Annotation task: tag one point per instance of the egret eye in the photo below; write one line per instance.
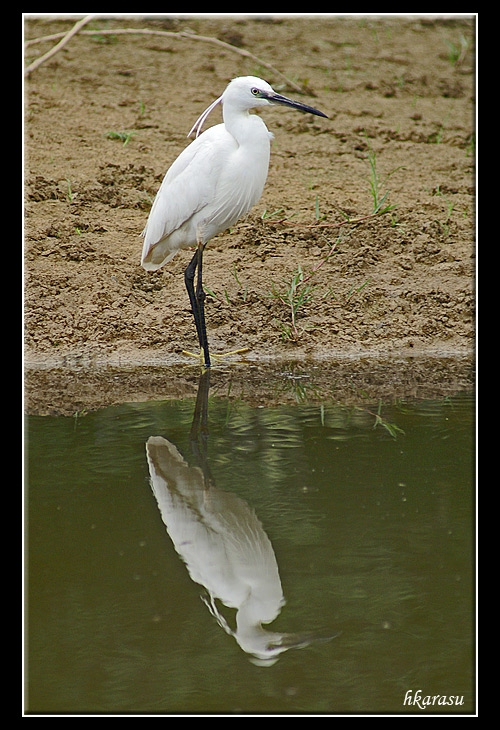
(255, 91)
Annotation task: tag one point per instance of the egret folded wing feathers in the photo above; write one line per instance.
(185, 191)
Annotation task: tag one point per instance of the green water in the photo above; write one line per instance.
(364, 527)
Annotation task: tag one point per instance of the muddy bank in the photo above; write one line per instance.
(71, 391)
(107, 115)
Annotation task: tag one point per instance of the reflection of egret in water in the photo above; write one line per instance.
(222, 542)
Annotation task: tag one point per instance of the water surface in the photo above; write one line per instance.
(349, 529)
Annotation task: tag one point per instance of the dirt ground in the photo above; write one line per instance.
(107, 115)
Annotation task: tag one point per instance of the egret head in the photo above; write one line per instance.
(250, 92)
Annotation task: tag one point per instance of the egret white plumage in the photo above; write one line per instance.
(216, 180)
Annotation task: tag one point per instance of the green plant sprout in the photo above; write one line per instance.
(266, 215)
(391, 428)
(124, 137)
(377, 184)
(296, 294)
(456, 53)
(356, 289)
(70, 195)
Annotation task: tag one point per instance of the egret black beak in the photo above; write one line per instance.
(278, 99)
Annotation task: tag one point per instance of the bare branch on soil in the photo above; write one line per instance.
(65, 38)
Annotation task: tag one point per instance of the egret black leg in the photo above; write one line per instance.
(200, 298)
(189, 282)
(197, 300)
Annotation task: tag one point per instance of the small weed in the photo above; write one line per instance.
(446, 224)
(317, 215)
(266, 215)
(437, 138)
(104, 39)
(240, 285)
(70, 195)
(391, 428)
(299, 385)
(77, 415)
(124, 137)
(296, 294)
(450, 207)
(356, 290)
(470, 150)
(377, 184)
(209, 292)
(456, 53)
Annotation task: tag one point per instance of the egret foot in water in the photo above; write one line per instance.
(215, 356)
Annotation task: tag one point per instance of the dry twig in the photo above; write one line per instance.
(346, 222)
(65, 38)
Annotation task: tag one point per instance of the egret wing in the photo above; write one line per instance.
(186, 189)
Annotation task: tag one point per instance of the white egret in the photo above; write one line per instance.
(214, 181)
